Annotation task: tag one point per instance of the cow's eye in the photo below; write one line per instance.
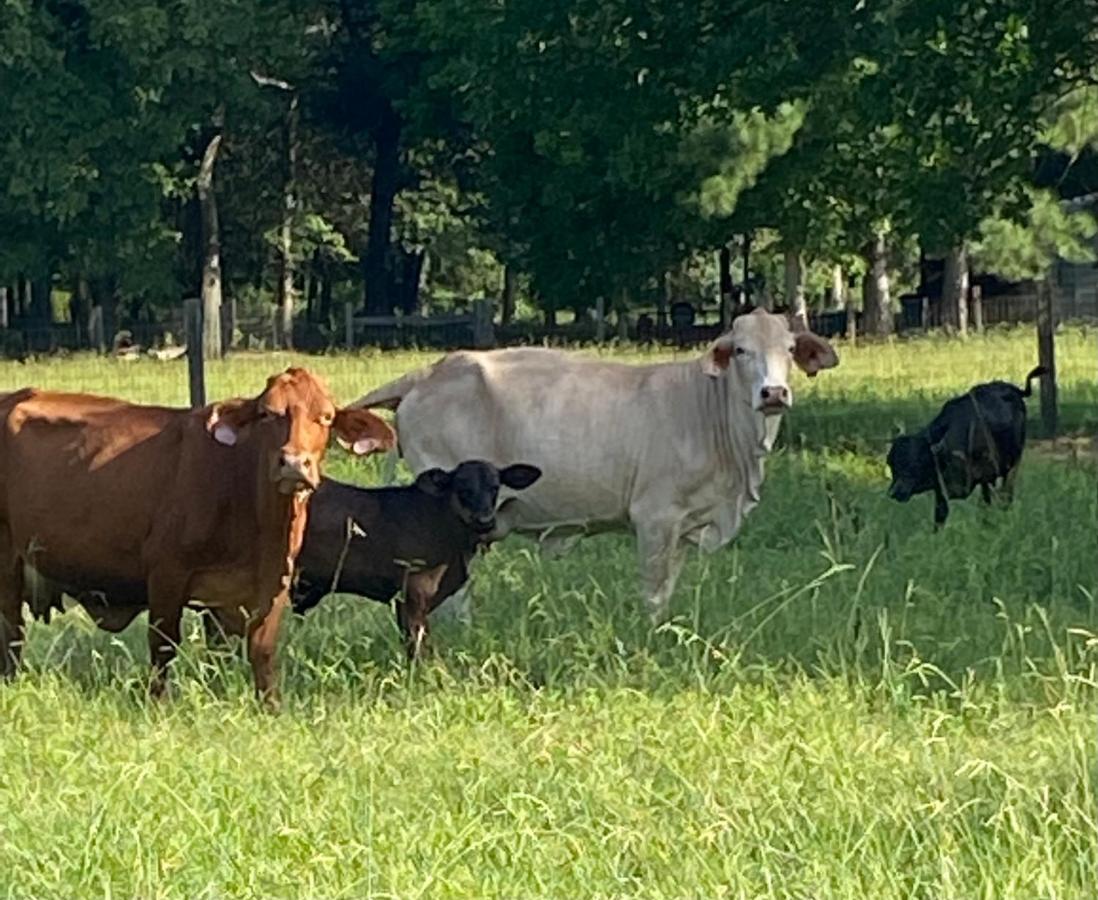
(326, 420)
(792, 347)
(740, 351)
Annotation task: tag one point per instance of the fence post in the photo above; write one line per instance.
(196, 370)
(483, 331)
(3, 307)
(978, 308)
(274, 328)
(349, 325)
(600, 320)
(1046, 354)
(95, 330)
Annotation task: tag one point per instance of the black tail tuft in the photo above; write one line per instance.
(1036, 373)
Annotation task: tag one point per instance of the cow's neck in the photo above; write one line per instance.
(279, 522)
(739, 440)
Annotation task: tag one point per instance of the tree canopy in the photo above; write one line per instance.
(590, 146)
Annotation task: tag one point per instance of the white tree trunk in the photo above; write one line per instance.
(876, 290)
(211, 254)
(794, 287)
(838, 287)
(286, 294)
(955, 289)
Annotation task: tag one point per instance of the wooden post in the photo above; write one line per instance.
(196, 370)
(3, 307)
(924, 313)
(483, 330)
(978, 308)
(1046, 353)
(349, 325)
(96, 337)
(600, 320)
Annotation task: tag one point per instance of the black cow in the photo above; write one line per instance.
(976, 439)
(417, 540)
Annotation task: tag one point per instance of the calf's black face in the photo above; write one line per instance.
(473, 489)
(911, 461)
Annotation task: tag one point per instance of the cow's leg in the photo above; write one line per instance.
(11, 607)
(661, 557)
(941, 508)
(419, 594)
(216, 638)
(1006, 492)
(262, 640)
(167, 597)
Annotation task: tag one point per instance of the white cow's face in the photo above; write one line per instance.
(759, 351)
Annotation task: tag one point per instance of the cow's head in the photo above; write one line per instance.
(473, 489)
(759, 350)
(912, 464)
(290, 423)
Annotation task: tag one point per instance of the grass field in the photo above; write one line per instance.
(845, 705)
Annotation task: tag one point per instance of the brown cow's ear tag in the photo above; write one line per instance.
(224, 434)
(361, 447)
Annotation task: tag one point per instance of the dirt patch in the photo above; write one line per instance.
(1079, 449)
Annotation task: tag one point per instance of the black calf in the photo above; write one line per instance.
(416, 540)
(976, 439)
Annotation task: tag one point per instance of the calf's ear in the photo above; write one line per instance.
(228, 418)
(362, 432)
(519, 476)
(812, 353)
(714, 361)
(435, 482)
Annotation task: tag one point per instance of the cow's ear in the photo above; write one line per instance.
(812, 353)
(715, 360)
(519, 476)
(362, 432)
(228, 418)
(435, 482)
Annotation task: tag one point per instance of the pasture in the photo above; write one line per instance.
(845, 704)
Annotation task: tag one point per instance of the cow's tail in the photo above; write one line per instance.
(1036, 373)
(388, 396)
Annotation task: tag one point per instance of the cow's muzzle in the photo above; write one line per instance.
(773, 400)
(296, 472)
(484, 525)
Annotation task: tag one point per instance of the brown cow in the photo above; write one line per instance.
(130, 507)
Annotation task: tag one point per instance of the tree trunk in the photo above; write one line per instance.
(724, 283)
(325, 296)
(411, 271)
(794, 287)
(285, 243)
(955, 289)
(383, 191)
(663, 303)
(211, 253)
(876, 297)
(551, 315)
(80, 309)
(41, 308)
(747, 268)
(838, 287)
(507, 302)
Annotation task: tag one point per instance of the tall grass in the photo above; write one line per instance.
(846, 704)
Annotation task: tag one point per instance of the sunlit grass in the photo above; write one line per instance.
(845, 705)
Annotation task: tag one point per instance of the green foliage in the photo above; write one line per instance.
(1026, 249)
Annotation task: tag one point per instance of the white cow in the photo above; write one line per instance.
(673, 451)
